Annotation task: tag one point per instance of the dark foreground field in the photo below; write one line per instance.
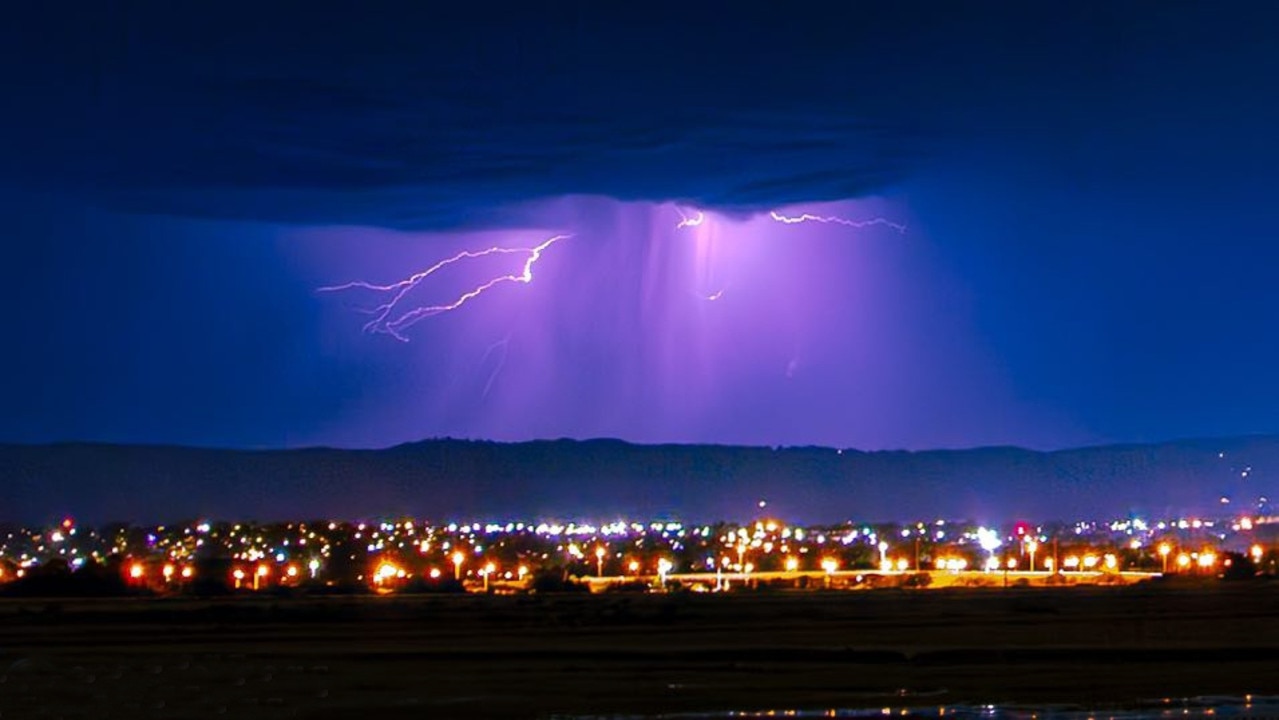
(537, 656)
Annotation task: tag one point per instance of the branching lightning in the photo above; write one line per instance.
(695, 219)
(393, 316)
(833, 219)
(388, 318)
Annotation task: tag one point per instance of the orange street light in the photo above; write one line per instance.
(489, 569)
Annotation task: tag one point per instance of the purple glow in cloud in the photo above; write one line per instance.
(391, 318)
(735, 329)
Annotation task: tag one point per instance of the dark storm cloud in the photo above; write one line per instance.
(414, 118)
(1087, 187)
(409, 115)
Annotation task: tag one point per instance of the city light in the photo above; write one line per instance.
(386, 572)
(664, 568)
(763, 553)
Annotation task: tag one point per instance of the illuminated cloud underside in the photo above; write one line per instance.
(655, 322)
(392, 318)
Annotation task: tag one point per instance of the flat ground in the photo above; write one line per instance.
(541, 656)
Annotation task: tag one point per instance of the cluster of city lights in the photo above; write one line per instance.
(396, 555)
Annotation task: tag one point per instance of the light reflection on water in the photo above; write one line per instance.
(1247, 706)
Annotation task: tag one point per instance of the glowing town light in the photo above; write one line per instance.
(391, 319)
(1111, 562)
(1207, 559)
(792, 564)
(664, 567)
(988, 539)
(136, 571)
(167, 572)
(599, 561)
(291, 571)
(634, 567)
(260, 575)
(434, 574)
(992, 563)
(829, 566)
(1071, 562)
(835, 220)
(1183, 560)
(1090, 561)
(313, 567)
(903, 564)
(521, 571)
(458, 559)
(386, 572)
(1256, 551)
(187, 572)
(1031, 547)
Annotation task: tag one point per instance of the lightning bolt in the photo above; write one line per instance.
(689, 220)
(835, 220)
(504, 344)
(387, 317)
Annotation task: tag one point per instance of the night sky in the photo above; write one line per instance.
(1087, 193)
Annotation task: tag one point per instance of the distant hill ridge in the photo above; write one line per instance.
(602, 479)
